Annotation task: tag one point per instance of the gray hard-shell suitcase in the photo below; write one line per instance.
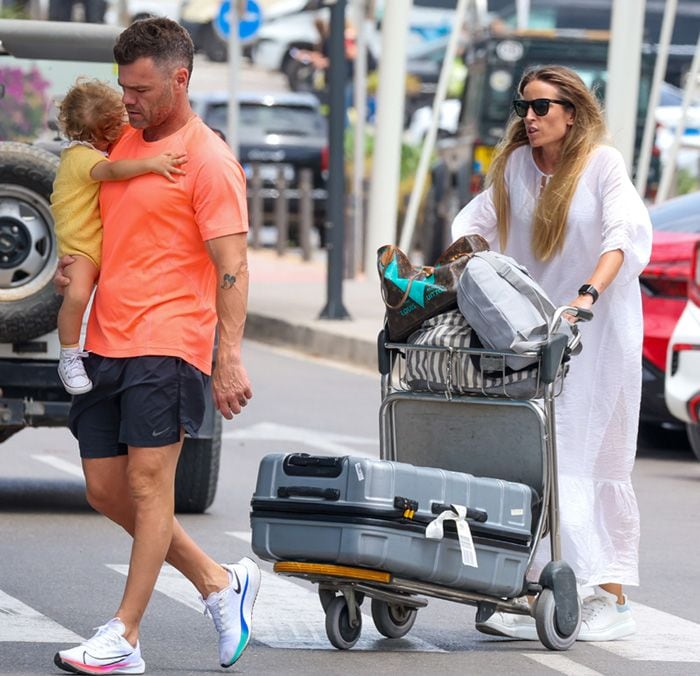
(373, 514)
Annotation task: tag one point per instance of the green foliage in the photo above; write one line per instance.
(686, 182)
(23, 108)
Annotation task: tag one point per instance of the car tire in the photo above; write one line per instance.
(694, 438)
(213, 46)
(198, 472)
(28, 251)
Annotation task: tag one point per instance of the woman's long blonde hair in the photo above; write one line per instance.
(587, 131)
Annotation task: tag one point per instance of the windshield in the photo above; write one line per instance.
(260, 120)
(681, 214)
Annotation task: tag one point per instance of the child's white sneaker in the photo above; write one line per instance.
(71, 371)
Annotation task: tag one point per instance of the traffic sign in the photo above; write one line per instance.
(248, 23)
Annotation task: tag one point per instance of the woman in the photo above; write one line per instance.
(561, 203)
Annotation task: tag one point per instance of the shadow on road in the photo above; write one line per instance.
(34, 495)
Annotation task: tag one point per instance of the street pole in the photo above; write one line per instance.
(659, 71)
(337, 72)
(386, 159)
(624, 61)
(237, 7)
(360, 96)
(409, 223)
(688, 95)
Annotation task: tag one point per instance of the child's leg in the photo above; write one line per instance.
(82, 274)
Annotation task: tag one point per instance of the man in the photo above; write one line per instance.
(173, 262)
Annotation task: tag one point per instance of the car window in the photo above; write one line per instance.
(681, 214)
(260, 120)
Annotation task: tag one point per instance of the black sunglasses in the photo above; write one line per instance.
(539, 106)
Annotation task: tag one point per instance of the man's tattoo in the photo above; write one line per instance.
(229, 281)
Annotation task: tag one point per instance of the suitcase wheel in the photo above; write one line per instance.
(342, 630)
(393, 620)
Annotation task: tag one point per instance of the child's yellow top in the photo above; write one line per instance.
(75, 203)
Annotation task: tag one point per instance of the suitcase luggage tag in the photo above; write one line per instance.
(458, 514)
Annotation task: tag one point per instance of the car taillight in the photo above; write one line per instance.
(694, 281)
(694, 408)
(324, 159)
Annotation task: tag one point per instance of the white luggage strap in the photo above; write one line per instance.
(458, 514)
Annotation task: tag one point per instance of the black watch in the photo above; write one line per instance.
(590, 290)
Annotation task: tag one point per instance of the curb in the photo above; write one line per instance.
(313, 340)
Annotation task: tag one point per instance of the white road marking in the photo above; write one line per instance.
(561, 664)
(287, 615)
(58, 463)
(326, 441)
(20, 623)
(660, 637)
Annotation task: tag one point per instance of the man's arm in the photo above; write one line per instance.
(230, 383)
(165, 164)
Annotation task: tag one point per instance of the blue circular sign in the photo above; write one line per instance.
(248, 24)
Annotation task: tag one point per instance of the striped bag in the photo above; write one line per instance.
(454, 372)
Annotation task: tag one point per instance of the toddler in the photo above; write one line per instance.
(92, 117)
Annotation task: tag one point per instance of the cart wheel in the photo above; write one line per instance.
(338, 629)
(546, 623)
(326, 596)
(393, 620)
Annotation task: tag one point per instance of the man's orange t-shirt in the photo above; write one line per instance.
(156, 293)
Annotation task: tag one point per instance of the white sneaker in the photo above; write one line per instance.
(232, 609)
(604, 619)
(511, 625)
(71, 371)
(107, 652)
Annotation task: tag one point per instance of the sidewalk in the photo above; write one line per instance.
(287, 296)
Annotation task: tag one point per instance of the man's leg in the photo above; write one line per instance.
(108, 493)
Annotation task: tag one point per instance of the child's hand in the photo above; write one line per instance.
(168, 164)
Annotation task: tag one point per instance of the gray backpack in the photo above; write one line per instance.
(505, 306)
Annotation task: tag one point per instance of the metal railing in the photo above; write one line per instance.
(281, 193)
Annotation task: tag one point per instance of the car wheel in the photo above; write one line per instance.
(28, 254)
(694, 438)
(198, 472)
(213, 46)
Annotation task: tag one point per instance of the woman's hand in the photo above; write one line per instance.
(584, 301)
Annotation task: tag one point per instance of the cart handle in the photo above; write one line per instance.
(479, 515)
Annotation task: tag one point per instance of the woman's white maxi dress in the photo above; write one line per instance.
(597, 414)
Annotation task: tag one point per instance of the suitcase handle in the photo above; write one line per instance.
(475, 514)
(308, 492)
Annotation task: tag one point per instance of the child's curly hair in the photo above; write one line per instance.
(92, 111)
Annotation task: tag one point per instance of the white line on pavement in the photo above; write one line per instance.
(329, 442)
(660, 637)
(59, 463)
(244, 535)
(20, 623)
(561, 664)
(287, 615)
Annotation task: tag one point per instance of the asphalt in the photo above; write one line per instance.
(288, 295)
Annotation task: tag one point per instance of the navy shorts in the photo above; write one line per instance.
(137, 401)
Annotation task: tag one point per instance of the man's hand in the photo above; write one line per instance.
(60, 281)
(230, 385)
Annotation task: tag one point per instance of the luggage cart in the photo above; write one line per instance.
(502, 425)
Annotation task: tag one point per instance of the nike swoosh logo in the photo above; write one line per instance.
(157, 434)
(114, 658)
(238, 582)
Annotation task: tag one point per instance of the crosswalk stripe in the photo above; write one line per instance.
(58, 463)
(660, 637)
(326, 441)
(562, 664)
(286, 615)
(21, 623)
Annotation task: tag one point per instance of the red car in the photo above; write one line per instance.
(664, 283)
